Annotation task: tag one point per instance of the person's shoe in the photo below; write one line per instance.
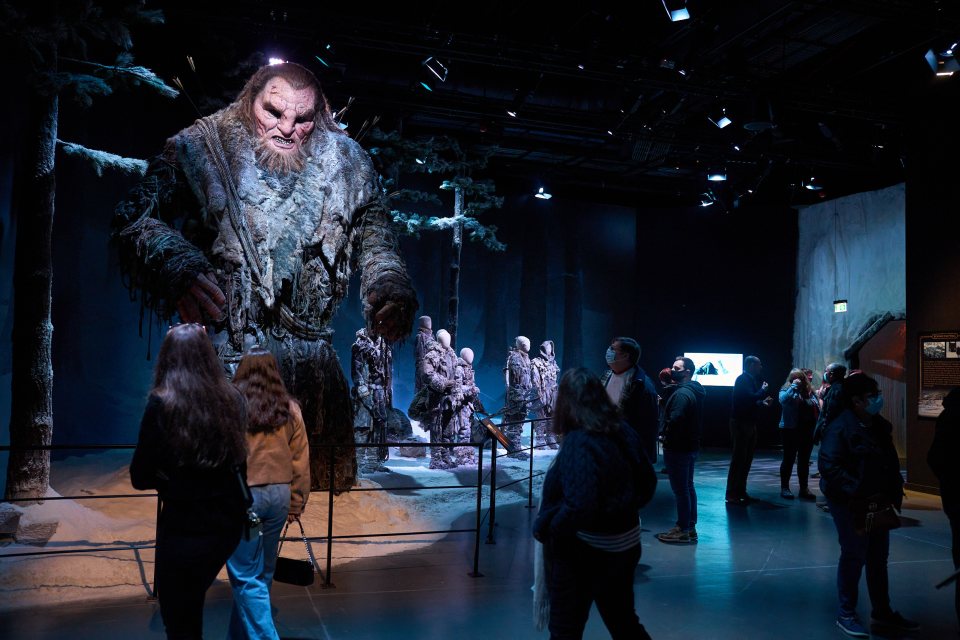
(692, 533)
(893, 621)
(677, 536)
(786, 494)
(806, 494)
(740, 502)
(852, 627)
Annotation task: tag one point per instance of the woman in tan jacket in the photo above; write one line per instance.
(278, 472)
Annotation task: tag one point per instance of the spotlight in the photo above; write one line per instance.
(437, 69)
(943, 63)
(419, 161)
(541, 194)
(447, 185)
(273, 61)
(720, 120)
(512, 114)
(322, 61)
(676, 10)
(717, 176)
(839, 306)
(707, 199)
(812, 185)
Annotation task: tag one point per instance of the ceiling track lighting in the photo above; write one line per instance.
(542, 194)
(718, 175)
(437, 70)
(812, 184)
(943, 63)
(720, 120)
(676, 10)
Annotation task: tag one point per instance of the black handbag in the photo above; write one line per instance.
(291, 570)
(874, 513)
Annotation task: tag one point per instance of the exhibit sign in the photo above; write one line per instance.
(939, 370)
(716, 369)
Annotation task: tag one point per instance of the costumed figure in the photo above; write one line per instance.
(520, 393)
(544, 373)
(440, 378)
(424, 340)
(251, 221)
(372, 369)
(469, 402)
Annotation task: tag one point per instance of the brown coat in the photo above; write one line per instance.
(282, 456)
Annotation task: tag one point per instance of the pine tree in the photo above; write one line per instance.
(445, 158)
(51, 41)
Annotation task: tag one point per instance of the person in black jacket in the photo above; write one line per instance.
(589, 518)
(681, 445)
(942, 459)
(192, 450)
(749, 394)
(858, 462)
(633, 392)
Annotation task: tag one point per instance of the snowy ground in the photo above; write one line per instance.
(89, 526)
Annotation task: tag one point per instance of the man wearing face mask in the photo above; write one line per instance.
(750, 392)
(858, 464)
(520, 392)
(633, 392)
(681, 445)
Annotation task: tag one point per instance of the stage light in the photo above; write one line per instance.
(720, 120)
(542, 195)
(707, 199)
(839, 306)
(736, 147)
(676, 10)
(512, 114)
(437, 70)
(609, 132)
(944, 63)
(812, 185)
(419, 161)
(719, 175)
(580, 66)
(273, 61)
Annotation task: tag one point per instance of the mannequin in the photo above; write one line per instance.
(372, 370)
(469, 401)
(519, 393)
(439, 376)
(424, 339)
(544, 374)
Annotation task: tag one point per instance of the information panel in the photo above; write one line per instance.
(939, 370)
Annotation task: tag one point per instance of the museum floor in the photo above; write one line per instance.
(762, 571)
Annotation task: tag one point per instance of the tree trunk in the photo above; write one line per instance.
(31, 411)
(456, 244)
(572, 298)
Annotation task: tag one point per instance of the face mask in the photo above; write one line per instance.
(611, 355)
(874, 404)
(676, 376)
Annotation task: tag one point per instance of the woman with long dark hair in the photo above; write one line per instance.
(858, 466)
(278, 472)
(798, 417)
(589, 519)
(191, 449)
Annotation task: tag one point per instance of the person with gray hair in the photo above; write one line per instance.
(632, 391)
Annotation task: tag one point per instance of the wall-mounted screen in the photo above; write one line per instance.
(716, 369)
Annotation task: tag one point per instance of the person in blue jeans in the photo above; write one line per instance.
(858, 461)
(278, 472)
(681, 445)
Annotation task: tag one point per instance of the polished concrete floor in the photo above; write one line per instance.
(763, 571)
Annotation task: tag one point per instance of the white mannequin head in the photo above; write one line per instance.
(467, 354)
(523, 343)
(443, 337)
(546, 348)
(424, 322)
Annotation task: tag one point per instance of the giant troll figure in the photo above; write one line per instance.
(251, 221)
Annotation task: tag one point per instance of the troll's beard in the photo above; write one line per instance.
(277, 162)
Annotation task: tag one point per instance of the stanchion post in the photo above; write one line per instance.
(327, 584)
(530, 477)
(156, 536)
(493, 491)
(476, 536)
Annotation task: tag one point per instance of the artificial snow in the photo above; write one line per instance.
(91, 525)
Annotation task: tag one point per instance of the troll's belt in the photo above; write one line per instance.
(286, 316)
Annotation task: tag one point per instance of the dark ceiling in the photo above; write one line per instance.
(611, 101)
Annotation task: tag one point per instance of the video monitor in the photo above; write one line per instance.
(716, 369)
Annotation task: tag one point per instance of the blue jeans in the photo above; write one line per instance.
(252, 564)
(680, 471)
(856, 551)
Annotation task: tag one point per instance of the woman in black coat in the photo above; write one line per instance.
(192, 449)
(942, 459)
(858, 461)
(589, 518)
